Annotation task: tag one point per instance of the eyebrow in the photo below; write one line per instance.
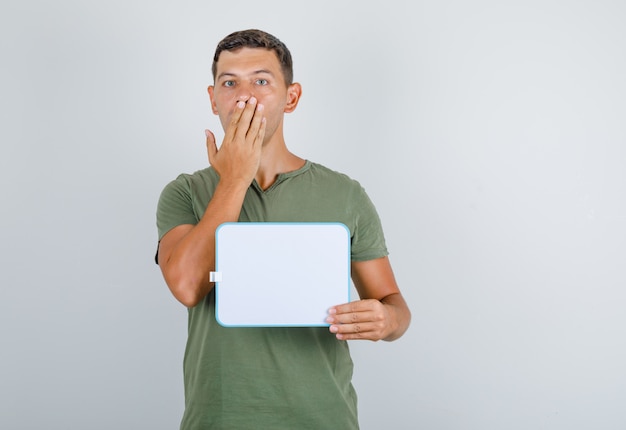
(256, 72)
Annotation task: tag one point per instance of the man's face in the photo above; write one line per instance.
(250, 72)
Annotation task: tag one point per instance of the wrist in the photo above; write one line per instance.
(233, 185)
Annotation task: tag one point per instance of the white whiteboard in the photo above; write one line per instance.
(280, 274)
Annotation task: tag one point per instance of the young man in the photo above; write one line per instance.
(277, 377)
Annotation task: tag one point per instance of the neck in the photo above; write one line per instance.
(276, 159)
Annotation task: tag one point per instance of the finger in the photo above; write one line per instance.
(359, 336)
(355, 317)
(261, 135)
(245, 119)
(231, 130)
(210, 144)
(358, 331)
(255, 125)
(356, 306)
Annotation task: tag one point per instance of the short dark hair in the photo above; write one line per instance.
(256, 39)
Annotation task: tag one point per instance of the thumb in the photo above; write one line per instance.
(211, 147)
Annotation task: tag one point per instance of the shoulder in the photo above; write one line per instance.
(323, 173)
(183, 199)
(188, 188)
(190, 183)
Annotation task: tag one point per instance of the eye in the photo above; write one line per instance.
(229, 83)
(262, 82)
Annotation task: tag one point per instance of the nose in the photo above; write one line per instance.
(244, 98)
(244, 93)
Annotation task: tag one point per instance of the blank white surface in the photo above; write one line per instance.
(281, 274)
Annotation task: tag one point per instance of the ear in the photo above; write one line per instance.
(294, 92)
(211, 89)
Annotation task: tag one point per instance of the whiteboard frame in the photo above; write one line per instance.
(274, 253)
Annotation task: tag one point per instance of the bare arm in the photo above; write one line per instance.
(187, 252)
(381, 313)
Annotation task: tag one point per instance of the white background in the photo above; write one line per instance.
(491, 136)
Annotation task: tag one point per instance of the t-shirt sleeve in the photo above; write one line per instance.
(175, 206)
(368, 239)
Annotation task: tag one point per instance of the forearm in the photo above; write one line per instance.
(400, 315)
(188, 265)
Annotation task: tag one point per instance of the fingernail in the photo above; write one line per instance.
(259, 107)
(241, 105)
(252, 100)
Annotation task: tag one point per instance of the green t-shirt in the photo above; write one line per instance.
(275, 377)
